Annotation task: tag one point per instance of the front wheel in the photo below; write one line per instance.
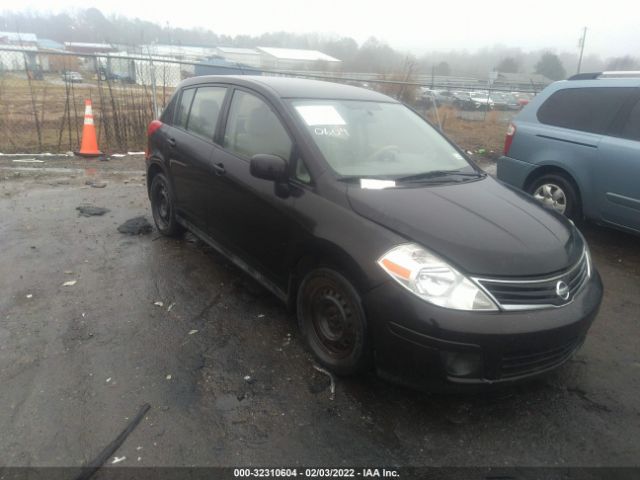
(558, 193)
(333, 323)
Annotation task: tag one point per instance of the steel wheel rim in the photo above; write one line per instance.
(162, 206)
(551, 195)
(332, 320)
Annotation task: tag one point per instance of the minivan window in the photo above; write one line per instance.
(205, 110)
(253, 128)
(373, 139)
(586, 109)
(183, 108)
(631, 129)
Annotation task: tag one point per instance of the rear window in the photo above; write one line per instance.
(167, 115)
(585, 109)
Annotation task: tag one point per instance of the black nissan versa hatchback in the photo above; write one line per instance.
(393, 248)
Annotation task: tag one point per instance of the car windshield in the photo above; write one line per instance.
(377, 140)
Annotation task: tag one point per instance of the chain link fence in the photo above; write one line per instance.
(42, 96)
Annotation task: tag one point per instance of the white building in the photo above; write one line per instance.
(16, 61)
(246, 56)
(18, 39)
(183, 53)
(27, 43)
(295, 59)
(271, 58)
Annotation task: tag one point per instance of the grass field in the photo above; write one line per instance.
(47, 115)
(486, 133)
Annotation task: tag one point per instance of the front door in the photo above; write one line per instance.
(247, 215)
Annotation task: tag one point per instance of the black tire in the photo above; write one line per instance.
(333, 323)
(163, 207)
(572, 207)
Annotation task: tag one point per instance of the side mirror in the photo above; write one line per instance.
(268, 167)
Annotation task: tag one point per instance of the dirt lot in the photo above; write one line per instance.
(171, 323)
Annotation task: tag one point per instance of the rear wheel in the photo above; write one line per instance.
(163, 206)
(333, 323)
(557, 192)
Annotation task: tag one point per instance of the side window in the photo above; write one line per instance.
(586, 109)
(205, 110)
(253, 128)
(180, 119)
(631, 129)
(167, 114)
(302, 173)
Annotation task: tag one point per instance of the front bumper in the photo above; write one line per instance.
(425, 346)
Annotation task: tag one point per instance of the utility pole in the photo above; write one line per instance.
(584, 36)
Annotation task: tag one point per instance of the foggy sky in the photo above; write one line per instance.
(417, 26)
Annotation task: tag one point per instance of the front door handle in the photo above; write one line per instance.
(219, 168)
(171, 142)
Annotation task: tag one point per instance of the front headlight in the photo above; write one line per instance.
(432, 279)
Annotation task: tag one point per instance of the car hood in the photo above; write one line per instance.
(483, 227)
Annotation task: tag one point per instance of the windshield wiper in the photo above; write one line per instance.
(418, 177)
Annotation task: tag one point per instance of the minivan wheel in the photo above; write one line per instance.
(163, 207)
(332, 321)
(556, 192)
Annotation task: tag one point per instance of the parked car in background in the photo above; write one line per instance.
(106, 74)
(476, 100)
(445, 97)
(73, 77)
(462, 101)
(576, 149)
(523, 98)
(504, 101)
(425, 97)
(392, 247)
(481, 100)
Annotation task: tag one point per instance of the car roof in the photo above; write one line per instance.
(589, 82)
(286, 87)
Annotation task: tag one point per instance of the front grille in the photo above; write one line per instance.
(523, 294)
(529, 363)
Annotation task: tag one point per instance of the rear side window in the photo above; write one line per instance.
(183, 108)
(631, 129)
(253, 128)
(167, 115)
(205, 110)
(585, 109)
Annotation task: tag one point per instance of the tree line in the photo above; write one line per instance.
(373, 55)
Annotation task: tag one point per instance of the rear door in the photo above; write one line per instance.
(191, 147)
(619, 182)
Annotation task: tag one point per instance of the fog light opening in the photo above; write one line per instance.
(463, 364)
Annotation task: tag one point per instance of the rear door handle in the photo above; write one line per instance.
(219, 168)
(171, 142)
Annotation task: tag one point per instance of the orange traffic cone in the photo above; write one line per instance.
(89, 145)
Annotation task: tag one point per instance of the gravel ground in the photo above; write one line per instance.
(171, 323)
